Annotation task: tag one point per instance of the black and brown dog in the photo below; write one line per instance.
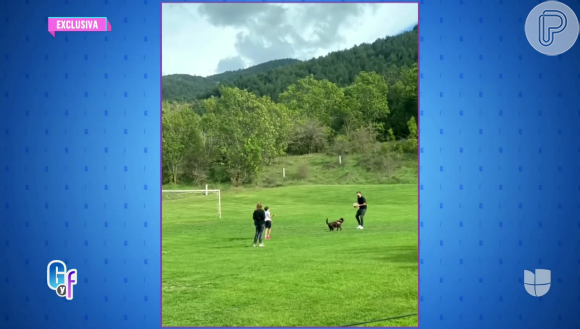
(335, 225)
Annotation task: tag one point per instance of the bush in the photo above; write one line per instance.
(359, 141)
(390, 135)
(239, 176)
(166, 178)
(218, 173)
(303, 170)
(309, 137)
(341, 146)
(271, 182)
(363, 140)
(197, 175)
(386, 158)
(413, 130)
(410, 145)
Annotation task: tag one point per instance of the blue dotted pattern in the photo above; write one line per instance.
(80, 156)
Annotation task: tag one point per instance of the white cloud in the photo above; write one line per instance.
(205, 39)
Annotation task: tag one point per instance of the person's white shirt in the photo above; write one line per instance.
(268, 218)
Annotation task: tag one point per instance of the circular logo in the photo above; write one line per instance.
(61, 290)
(552, 28)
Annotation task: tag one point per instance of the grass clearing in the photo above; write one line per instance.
(305, 276)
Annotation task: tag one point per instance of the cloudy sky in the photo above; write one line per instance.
(205, 39)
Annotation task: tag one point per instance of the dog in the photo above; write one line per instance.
(335, 225)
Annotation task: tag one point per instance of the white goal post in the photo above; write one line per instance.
(206, 192)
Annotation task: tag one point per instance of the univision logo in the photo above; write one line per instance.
(537, 284)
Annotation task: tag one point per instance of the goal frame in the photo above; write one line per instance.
(206, 192)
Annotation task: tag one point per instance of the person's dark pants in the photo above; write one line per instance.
(259, 232)
(360, 214)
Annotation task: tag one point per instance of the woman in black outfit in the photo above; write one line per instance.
(259, 222)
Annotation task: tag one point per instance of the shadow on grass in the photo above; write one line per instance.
(402, 254)
(239, 239)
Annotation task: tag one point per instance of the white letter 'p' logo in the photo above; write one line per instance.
(537, 284)
(552, 28)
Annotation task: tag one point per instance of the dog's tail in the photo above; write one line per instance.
(327, 221)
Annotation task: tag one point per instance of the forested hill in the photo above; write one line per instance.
(184, 87)
(386, 56)
(230, 76)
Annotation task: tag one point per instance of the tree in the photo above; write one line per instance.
(181, 135)
(403, 101)
(240, 125)
(413, 132)
(308, 137)
(228, 126)
(390, 135)
(282, 121)
(367, 100)
(321, 100)
(413, 141)
(393, 57)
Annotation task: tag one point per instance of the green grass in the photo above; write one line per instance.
(326, 170)
(305, 276)
(322, 169)
(410, 321)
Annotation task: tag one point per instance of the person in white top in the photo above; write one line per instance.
(268, 222)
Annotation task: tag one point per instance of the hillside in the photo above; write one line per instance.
(184, 87)
(341, 67)
(323, 169)
(348, 103)
(231, 76)
(385, 56)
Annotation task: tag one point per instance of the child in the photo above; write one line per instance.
(268, 223)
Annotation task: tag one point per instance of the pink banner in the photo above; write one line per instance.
(78, 24)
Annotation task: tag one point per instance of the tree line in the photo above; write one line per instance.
(232, 135)
(187, 88)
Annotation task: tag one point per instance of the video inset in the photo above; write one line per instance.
(290, 164)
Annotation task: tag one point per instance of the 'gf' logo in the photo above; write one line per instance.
(61, 280)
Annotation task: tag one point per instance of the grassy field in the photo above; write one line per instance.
(326, 170)
(305, 275)
(322, 169)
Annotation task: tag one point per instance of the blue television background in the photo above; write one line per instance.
(80, 158)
